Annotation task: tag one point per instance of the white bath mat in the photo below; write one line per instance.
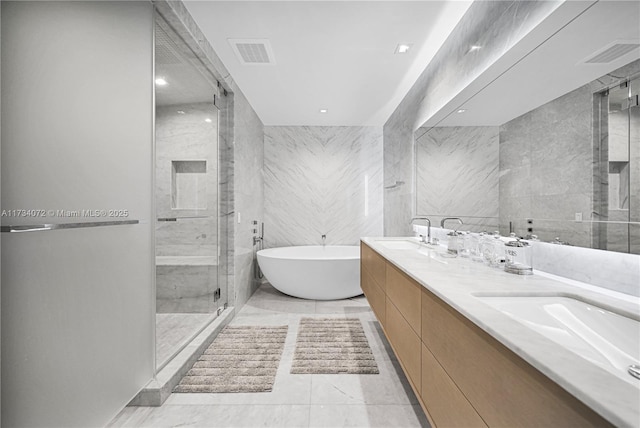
(332, 346)
(240, 359)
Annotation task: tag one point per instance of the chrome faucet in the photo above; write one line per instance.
(324, 238)
(449, 218)
(428, 241)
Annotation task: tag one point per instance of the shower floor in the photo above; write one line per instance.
(174, 331)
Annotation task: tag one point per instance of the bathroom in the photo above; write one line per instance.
(99, 290)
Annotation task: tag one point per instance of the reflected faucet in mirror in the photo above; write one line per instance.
(459, 220)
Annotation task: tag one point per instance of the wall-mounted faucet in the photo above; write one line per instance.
(428, 240)
(459, 220)
(324, 238)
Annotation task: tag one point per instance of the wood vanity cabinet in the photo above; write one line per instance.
(461, 375)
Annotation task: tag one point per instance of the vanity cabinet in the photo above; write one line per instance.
(372, 281)
(461, 375)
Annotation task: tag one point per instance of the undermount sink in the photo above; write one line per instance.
(398, 244)
(610, 340)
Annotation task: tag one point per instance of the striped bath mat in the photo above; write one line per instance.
(240, 359)
(332, 346)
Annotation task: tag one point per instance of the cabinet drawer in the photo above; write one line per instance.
(406, 344)
(374, 294)
(503, 388)
(446, 405)
(374, 263)
(405, 295)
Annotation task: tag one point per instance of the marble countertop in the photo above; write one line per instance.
(458, 280)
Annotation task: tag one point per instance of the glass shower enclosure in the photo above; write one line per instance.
(189, 286)
(617, 198)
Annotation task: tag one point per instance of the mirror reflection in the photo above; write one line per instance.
(552, 147)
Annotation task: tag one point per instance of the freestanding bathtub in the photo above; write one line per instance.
(316, 272)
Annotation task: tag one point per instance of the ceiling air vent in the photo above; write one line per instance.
(253, 51)
(612, 52)
(165, 49)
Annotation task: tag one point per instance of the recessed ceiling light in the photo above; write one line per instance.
(160, 81)
(207, 120)
(461, 110)
(324, 110)
(403, 48)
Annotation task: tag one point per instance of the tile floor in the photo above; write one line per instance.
(173, 330)
(383, 400)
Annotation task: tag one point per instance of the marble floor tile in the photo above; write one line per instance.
(228, 415)
(298, 400)
(383, 416)
(388, 387)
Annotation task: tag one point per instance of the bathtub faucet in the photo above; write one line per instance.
(324, 238)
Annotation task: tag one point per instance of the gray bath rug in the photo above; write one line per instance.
(333, 346)
(240, 359)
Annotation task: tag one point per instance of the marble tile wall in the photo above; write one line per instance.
(549, 162)
(458, 175)
(185, 289)
(182, 134)
(248, 195)
(495, 25)
(614, 271)
(546, 158)
(398, 162)
(322, 181)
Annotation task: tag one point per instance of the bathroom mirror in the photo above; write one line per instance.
(549, 148)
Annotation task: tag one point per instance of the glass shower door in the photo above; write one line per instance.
(634, 170)
(623, 156)
(188, 292)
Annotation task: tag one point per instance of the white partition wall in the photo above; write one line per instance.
(77, 138)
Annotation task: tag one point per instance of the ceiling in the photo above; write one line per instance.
(334, 55)
(556, 67)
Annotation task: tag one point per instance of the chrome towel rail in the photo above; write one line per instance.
(58, 226)
(184, 218)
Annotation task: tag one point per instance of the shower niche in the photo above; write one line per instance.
(189, 184)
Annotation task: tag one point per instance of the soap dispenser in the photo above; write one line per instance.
(519, 257)
(453, 243)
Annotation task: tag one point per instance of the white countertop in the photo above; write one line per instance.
(456, 280)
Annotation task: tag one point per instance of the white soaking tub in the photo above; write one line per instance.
(315, 272)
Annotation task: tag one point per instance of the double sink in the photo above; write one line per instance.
(605, 336)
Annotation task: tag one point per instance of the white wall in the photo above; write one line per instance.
(77, 308)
